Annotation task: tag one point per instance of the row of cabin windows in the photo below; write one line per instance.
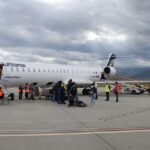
(54, 71)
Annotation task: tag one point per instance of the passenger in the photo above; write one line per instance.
(1, 93)
(59, 92)
(107, 90)
(62, 92)
(73, 93)
(20, 91)
(56, 92)
(73, 90)
(27, 91)
(32, 93)
(93, 94)
(69, 86)
(117, 91)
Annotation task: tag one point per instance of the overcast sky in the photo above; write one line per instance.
(75, 31)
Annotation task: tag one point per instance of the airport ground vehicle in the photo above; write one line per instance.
(131, 89)
(148, 90)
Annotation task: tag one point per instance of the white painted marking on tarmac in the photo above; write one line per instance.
(72, 133)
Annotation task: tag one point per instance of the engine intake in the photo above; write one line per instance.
(107, 70)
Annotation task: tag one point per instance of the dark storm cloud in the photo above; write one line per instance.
(75, 30)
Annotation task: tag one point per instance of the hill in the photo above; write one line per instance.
(134, 73)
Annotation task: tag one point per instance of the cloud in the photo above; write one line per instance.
(75, 31)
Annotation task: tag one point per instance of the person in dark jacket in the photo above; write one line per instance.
(69, 86)
(73, 95)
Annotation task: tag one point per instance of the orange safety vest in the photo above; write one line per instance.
(1, 92)
(20, 91)
(27, 90)
(117, 88)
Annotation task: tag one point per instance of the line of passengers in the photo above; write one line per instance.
(69, 93)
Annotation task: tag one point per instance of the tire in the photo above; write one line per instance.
(134, 92)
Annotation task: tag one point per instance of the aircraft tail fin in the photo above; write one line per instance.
(110, 61)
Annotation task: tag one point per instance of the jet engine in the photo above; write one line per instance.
(109, 70)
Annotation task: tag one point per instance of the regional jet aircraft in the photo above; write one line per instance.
(14, 74)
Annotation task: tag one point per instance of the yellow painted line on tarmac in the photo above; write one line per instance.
(74, 133)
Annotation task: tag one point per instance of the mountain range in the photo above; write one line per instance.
(134, 73)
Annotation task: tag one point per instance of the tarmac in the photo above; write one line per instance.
(46, 125)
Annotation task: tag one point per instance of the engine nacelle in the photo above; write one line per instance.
(109, 70)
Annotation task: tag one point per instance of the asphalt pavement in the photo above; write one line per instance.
(46, 125)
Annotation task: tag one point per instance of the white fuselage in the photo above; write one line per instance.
(16, 74)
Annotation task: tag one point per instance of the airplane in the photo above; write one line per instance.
(14, 74)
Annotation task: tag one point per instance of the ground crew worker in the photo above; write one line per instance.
(1, 93)
(27, 91)
(20, 91)
(107, 90)
(117, 90)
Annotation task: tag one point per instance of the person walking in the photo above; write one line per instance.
(32, 93)
(107, 90)
(117, 91)
(93, 94)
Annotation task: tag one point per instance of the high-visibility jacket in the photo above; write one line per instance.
(117, 88)
(27, 89)
(107, 88)
(1, 92)
(20, 91)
